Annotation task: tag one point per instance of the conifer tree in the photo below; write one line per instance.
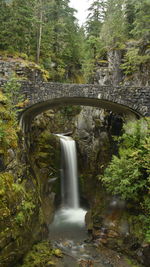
(96, 17)
(93, 44)
(141, 28)
(114, 31)
(129, 12)
(61, 40)
(5, 15)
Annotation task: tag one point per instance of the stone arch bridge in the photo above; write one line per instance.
(120, 99)
(42, 96)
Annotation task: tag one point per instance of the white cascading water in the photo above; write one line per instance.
(70, 211)
(69, 177)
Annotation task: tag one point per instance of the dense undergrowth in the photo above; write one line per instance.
(128, 174)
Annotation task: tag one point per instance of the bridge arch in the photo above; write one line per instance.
(32, 111)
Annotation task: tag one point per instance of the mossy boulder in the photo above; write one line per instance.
(40, 255)
(43, 255)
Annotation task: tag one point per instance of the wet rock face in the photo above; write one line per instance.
(110, 74)
(103, 76)
(44, 154)
(115, 60)
(93, 133)
(113, 74)
(90, 132)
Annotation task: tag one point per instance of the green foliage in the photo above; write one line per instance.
(131, 263)
(141, 23)
(25, 211)
(14, 200)
(129, 16)
(71, 110)
(133, 60)
(63, 59)
(95, 18)
(17, 213)
(8, 113)
(12, 92)
(128, 174)
(125, 178)
(19, 201)
(41, 255)
(111, 34)
(8, 126)
(133, 19)
(94, 49)
(17, 25)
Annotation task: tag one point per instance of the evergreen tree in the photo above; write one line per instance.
(93, 44)
(114, 31)
(96, 17)
(61, 43)
(129, 11)
(5, 18)
(18, 29)
(142, 20)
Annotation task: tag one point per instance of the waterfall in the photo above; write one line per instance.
(69, 176)
(70, 212)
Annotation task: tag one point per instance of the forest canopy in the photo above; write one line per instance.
(47, 32)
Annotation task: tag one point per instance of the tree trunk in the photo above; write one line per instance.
(39, 31)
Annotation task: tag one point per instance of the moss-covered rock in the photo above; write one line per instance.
(20, 223)
(19, 66)
(40, 255)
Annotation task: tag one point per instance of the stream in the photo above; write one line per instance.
(69, 234)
